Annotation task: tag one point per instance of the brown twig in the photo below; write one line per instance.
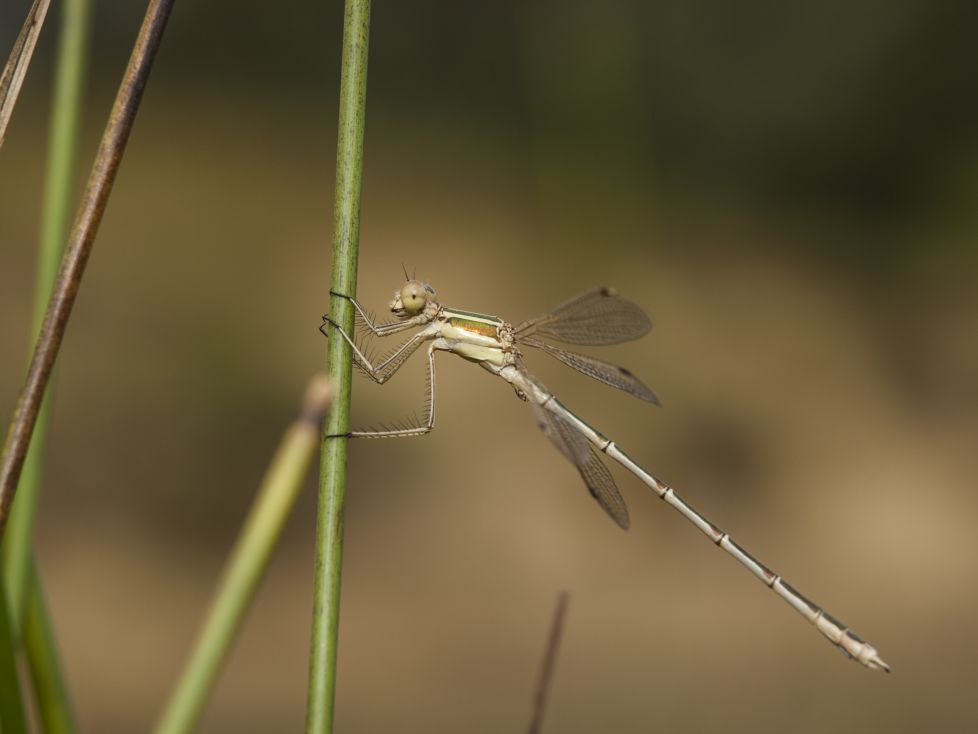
(79, 248)
(20, 58)
(549, 661)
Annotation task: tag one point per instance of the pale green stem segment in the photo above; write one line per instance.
(11, 706)
(28, 618)
(332, 480)
(248, 561)
(50, 690)
(72, 60)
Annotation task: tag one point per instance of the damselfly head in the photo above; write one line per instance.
(412, 298)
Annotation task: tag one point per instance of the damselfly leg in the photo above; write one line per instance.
(383, 372)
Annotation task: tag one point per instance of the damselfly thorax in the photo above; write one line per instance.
(479, 338)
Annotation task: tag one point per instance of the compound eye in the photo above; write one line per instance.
(414, 296)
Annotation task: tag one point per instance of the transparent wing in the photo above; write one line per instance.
(595, 318)
(572, 444)
(609, 374)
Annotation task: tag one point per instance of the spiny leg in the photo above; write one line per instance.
(360, 358)
(370, 328)
(390, 364)
(408, 431)
(377, 329)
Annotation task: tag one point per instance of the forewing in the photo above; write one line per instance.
(572, 444)
(595, 318)
(609, 374)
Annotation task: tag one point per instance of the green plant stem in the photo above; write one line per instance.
(332, 478)
(11, 705)
(53, 701)
(78, 250)
(248, 561)
(28, 617)
(72, 60)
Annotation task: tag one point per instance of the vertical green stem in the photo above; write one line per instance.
(28, 618)
(55, 222)
(11, 706)
(332, 482)
(53, 701)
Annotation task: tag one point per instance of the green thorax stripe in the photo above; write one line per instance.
(482, 318)
(469, 320)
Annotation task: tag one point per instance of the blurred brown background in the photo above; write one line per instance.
(789, 191)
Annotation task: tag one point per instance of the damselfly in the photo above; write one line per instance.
(596, 318)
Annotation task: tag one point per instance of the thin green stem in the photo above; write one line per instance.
(73, 45)
(28, 617)
(11, 705)
(53, 701)
(248, 561)
(332, 478)
(79, 248)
